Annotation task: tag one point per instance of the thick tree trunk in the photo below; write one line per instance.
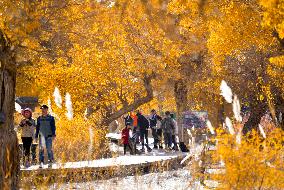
(180, 90)
(9, 154)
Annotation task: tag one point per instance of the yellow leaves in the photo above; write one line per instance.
(238, 28)
(30, 43)
(273, 15)
(277, 61)
(253, 164)
(190, 8)
(276, 70)
(71, 147)
(31, 26)
(177, 7)
(45, 36)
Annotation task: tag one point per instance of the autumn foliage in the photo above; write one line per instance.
(256, 163)
(113, 57)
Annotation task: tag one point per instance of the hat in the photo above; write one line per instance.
(44, 107)
(27, 109)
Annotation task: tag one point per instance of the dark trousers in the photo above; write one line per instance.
(168, 139)
(136, 134)
(125, 147)
(27, 143)
(160, 133)
(155, 134)
(144, 135)
(174, 142)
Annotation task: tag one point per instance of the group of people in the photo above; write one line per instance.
(160, 127)
(41, 131)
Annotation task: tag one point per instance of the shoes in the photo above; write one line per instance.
(167, 149)
(155, 147)
(149, 149)
(175, 148)
(27, 164)
(41, 165)
(49, 164)
(161, 147)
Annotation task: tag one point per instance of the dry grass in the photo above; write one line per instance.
(256, 163)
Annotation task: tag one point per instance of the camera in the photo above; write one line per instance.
(28, 123)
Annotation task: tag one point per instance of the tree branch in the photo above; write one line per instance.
(138, 102)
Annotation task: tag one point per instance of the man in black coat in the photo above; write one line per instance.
(143, 125)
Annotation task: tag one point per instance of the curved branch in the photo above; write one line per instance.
(138, 102)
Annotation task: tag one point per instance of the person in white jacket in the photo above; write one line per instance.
(175, 132)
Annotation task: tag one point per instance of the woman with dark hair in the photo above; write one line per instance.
(27, 127)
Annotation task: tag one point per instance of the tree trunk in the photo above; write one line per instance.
(180, 90)
(9, 154)
(257, 109)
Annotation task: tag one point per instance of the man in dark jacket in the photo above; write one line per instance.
(143, 125)
(45, 130)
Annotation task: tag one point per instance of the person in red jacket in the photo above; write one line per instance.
(125, 138)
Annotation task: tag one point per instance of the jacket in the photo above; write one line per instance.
(168, 125)
(153, 121)
(45, 126)
(125, 136)
(128, 120)
(135, 122)
(143, 123)
(27, 127)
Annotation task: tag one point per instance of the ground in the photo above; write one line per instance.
(168, 180)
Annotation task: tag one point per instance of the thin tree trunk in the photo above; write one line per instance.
(9, 154)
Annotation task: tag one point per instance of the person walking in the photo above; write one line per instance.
(168, 128)
(125, 138)
(27, 127)
(45, 131)
(143, 125)
(153, 125)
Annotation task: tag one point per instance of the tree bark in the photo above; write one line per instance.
(180, 91)
(9, 154)
(138, 102)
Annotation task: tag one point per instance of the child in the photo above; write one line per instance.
(125, 138)
(27, 126)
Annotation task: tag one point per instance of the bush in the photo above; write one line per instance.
(256, 163)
